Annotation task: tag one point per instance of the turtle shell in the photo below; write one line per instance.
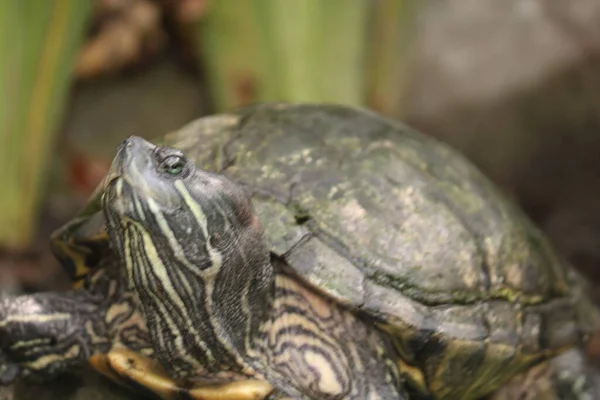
(404, 230)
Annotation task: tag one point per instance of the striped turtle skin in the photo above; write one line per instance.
(98, 322)
(338, 254)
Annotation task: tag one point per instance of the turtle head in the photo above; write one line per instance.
(194, 253)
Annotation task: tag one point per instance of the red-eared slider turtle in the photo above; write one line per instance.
(335, 254)
(385, 256)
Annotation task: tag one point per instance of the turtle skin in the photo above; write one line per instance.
(406, 233)
(45, 335)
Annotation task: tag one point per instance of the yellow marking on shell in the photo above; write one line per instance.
(480, 384)
(434, 375)
(41, 318)
(148, 373)
(44, 361)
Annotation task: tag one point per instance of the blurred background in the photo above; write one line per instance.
(513, 84)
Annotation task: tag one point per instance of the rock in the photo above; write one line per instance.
(475, 51)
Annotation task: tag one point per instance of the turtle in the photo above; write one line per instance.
(306, 251)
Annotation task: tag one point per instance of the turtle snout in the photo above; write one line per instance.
(135, 144)
(118, 197)
(133, 156)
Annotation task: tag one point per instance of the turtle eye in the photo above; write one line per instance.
(173, 165)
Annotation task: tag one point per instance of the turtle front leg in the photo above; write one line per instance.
(569, 376)
(45, 334)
